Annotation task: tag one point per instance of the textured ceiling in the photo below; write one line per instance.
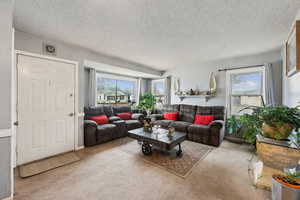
(162, 34)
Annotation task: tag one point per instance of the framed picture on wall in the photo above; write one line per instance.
(292, 49)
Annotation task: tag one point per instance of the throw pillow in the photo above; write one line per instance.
(101, 119)
(203, 119)
(124, 116)
(171, 116)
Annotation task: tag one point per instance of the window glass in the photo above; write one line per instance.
(247, 83)
(246, 89)
(115, 91)
(158, 90)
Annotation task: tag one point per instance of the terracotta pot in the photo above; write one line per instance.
(284, 130)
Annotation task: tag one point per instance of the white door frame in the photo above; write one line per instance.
(15, 91)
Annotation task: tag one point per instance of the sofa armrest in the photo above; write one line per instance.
(216, 123)
(137, 116)
(155, 117)
(90, 130)
(113, 119)
(90, 123)
(139, 111)
(217, 130)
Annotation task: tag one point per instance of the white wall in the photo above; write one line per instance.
(291, 85)
(34, 44)
(6, 32)
(197, 76)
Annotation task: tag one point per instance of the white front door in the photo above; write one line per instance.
(45, 108)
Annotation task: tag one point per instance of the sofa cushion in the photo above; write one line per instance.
(187, 113)
(133, 124)
(122, 109)
(114, 118)
(180, 125)
(108, 111)
(199, 133)
(106, 126)
(198, 129)
(137, 116)
(171, 116)
(203, 119)
(105, 132)
(124, 116)
(163, 123)
(168, 108)
(217, 111)
(101, 119)
(93, 111)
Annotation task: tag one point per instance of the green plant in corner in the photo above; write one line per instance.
(234, 125)
(147, 102)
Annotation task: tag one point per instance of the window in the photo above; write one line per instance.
(158, 90)
(246, 88)
(115, 90)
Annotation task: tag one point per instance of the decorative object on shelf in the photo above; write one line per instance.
(176, 85)
(196, 93)
(171, 131)
(212, 85)
(286, 186)
(147, 125)
(292, 50)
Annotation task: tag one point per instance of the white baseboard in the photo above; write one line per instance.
(8, 198)
(78, 148)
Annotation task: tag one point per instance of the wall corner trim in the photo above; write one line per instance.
(79, 148)
(5, 133)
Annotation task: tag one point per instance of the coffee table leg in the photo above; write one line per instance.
(146, 149)
(179, 152)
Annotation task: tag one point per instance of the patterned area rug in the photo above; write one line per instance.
(180, 166)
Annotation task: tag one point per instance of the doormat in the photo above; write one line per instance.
(47, 164)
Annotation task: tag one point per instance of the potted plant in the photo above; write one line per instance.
(234, 129)
(276, 122)
(147, 102)
(286, 187)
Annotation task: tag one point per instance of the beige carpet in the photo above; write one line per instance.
(47, 164)
(180, 166)
(107, 173)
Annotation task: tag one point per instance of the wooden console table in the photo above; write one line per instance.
(275, 156)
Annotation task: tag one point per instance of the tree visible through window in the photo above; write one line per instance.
(115, 91)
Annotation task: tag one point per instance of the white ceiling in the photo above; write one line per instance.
(162, 34)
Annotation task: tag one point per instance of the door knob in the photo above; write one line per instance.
(71, 114)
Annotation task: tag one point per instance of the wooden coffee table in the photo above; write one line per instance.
(158, 139)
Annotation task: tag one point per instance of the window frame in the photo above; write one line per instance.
(229, 73)
(116, 77)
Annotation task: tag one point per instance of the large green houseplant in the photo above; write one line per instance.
(276, 122)
(147, 102)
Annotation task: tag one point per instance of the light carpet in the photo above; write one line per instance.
(107, 173)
